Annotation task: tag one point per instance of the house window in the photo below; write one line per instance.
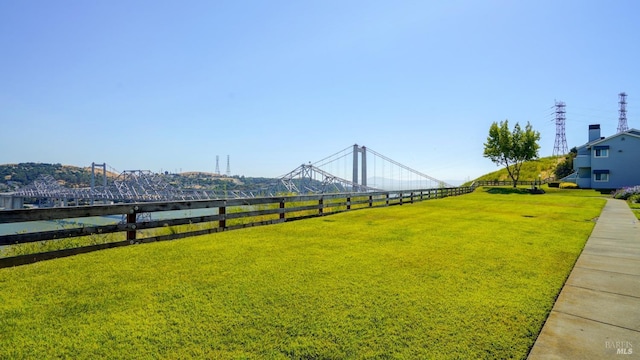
(601, 151)
(601, 175)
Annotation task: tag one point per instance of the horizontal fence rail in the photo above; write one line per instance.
(158, 221)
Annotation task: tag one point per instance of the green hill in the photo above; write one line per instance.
(531, 170)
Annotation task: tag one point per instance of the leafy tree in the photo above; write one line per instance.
(565, 168)
(511, 148)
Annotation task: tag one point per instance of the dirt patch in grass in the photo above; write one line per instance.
(507, 191)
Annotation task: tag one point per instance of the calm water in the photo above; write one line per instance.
(37, 226)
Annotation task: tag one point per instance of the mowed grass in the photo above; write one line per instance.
(472, 276)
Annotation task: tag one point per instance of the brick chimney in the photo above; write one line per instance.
(594, 132)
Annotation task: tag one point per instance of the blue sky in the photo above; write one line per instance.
(168, 85)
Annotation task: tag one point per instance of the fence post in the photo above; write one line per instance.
(370, 200)
(320, 205)
(282, 209)
(348, 202)
(131, 224)
(387, 199)
(222, 211)
(400, 194)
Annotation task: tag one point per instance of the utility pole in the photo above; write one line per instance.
(622, 120)
(560, 147)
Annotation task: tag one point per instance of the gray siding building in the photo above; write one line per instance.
(608, 163)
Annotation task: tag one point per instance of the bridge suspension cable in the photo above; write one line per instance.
(387, 174)
(344, 152)
(404, 167)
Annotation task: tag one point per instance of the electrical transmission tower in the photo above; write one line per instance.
(217, 165)
(228, 166)
(560, 147)
(622, 120)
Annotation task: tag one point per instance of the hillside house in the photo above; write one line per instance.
(608, 162)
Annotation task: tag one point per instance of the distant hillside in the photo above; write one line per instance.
(530, 170)
(14, 176)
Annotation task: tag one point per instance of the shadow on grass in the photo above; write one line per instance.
(507, 191)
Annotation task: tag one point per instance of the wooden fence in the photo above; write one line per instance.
(140, 224)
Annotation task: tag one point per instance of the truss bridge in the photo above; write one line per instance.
(353, 169)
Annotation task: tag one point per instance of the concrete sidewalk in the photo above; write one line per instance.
(597, 315)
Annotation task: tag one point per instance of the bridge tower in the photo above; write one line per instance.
(93, 179)
(356, 151)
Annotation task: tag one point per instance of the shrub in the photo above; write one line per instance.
(568, 185)
(626, 193)
(635, 198)
(565, 167)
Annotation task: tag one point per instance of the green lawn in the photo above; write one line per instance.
(635, 208)
(472, 276)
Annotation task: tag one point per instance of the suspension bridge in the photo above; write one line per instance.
(353, 169)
